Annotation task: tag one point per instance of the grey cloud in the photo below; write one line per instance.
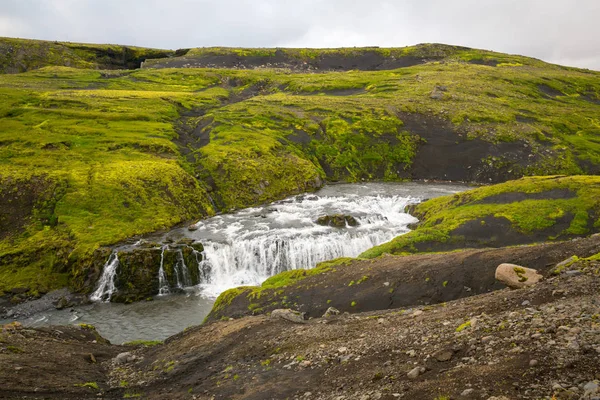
(560, 31)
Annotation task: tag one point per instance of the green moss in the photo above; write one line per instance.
(14, 349)
(145, 343)
(91, 385)
(463, 326)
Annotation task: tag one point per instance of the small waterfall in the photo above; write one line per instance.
(163, 283)
(181, 272)
(204, 268)
(106, 284)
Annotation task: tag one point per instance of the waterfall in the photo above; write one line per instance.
(106, 284)
(248, 247)
(163, 283)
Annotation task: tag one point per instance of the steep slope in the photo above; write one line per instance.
(91, 158)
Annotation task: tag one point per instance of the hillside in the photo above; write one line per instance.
(21, 55)
(92, 157)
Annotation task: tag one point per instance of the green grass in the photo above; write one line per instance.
(90, 157)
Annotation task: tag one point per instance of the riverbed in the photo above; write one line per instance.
(248, 246)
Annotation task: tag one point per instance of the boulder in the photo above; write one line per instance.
(516, 276)
(124, 358)
(288, 315)
(331, 311)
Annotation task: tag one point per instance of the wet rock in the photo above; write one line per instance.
(63, 302)
(288, 315)
(331, 311)
(192, 227)
(337, 220)
(516, 277)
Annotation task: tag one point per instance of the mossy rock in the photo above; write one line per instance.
(337, 220)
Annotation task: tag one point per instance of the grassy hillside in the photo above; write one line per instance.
(20, 55)
(527, 210)
(91, 157)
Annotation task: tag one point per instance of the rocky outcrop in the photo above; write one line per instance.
(137, 275)
(517, 277)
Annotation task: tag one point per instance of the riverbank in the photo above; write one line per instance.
(535, 342)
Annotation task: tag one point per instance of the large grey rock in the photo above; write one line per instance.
(516, 276)
(124, 358)
(415, 372)
(288, 315)
(331, 311)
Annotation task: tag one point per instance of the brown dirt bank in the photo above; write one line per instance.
(391, 282)
(527, 343)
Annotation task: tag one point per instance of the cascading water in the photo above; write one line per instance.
(106, 284)
(163, 284)
(247, 247)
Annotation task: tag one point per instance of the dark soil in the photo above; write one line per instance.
(550, 91)
(446, 154)
(25, 202)
(50, 363)
(363, 61)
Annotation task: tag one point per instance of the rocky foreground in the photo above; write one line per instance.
(537, 342)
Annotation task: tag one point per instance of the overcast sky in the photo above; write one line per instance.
(560, 31)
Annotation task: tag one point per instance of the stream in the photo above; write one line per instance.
(250, 245)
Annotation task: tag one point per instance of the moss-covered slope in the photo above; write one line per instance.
(20, 55)
(92, 157)
(528, 210)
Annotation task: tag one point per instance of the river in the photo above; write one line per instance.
(248, 246)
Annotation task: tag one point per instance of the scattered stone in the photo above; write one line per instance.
(288, 315)
(438, 92)
(516, 277)
(467, 392)
(533, 363)
(417, 313)
(331, 311)
(415, 372)
(444, 355)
